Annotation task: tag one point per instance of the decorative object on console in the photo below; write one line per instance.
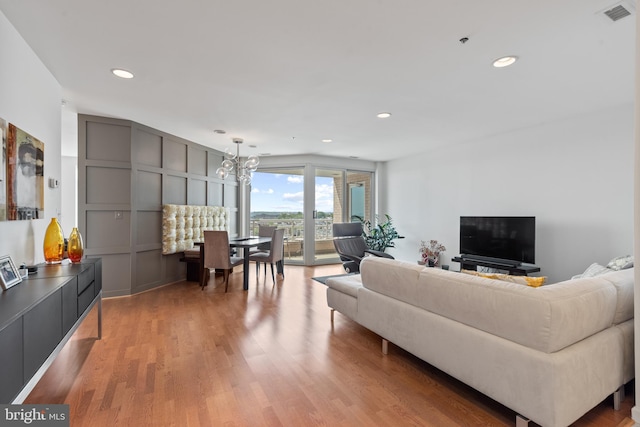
(53, 243)
(430, 253)
(232, 161)
(75, 246)
(379, 236)
(9, 274)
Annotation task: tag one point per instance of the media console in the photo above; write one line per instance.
(517, 270)
(38, 317)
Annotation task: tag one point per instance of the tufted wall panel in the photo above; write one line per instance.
(184, 224)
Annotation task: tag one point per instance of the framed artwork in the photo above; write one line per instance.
(9, 274)
(3, 170)
(25, 175)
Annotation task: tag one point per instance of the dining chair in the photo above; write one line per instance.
(263, 231)
(217, 256)
(274, 256)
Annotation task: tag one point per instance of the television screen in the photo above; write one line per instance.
(505, 237)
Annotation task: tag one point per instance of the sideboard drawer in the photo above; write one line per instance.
(85, 279)
(85, 298)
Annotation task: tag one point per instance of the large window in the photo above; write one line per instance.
(277, 199)
(307, 210)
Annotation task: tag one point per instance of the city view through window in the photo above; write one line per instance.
(277, 199)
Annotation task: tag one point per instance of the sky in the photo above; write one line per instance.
(271, 192)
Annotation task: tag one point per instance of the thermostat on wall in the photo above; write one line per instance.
(53, 183)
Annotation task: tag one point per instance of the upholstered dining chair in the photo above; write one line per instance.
(273, 256)
(218, 256)
(263, 231)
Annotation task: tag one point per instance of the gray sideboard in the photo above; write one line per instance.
(38, 317)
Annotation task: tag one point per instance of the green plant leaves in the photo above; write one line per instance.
(379, 236)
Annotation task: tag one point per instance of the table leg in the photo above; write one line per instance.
(245, 267)
(201, 264)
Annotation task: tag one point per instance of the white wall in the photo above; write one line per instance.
(635, 411)
(575, 176)
(69, 194)
(31, 100)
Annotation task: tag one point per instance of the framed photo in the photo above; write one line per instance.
(9, 274)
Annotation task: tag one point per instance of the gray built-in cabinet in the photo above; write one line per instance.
(37, 318)
(126, 172)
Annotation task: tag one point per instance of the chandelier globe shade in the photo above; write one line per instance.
(234, 161)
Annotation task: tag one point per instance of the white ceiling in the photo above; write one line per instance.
(285, 74)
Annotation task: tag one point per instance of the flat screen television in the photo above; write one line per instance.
(509, 238)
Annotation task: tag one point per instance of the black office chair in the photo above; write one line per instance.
(351, 246)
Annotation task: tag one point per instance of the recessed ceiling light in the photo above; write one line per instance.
(383, 115)
(505, 61)
(123, 74)
(327, 140)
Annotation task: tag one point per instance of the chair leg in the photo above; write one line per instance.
(257, 269)
(280, 265)
(273, 277)
(265, 269)
(205, 278)
(226, 280)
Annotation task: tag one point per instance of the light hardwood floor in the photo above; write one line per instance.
(269, 356)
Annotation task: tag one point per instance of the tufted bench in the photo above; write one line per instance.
(183, 225)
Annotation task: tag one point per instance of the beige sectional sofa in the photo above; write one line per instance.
(550, 353)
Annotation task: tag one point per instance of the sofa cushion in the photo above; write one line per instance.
(522, 280)
(348, 284)
(394, 278)
(593, 270)
(547, 318)
(623, 282)
(621, 262)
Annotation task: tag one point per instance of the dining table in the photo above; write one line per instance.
(244, 243)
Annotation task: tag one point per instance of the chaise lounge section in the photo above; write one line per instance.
(550, 353)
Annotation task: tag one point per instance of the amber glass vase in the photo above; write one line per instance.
(75, 248)
(53, 243)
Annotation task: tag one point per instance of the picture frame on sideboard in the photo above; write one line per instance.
(9, 274)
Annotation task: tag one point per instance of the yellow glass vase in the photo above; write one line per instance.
(53, 243)
(75, 248)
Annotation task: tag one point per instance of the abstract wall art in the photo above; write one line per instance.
(24, 175)
(3, 171)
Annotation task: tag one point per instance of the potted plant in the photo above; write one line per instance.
(430, 252)
(379, 236)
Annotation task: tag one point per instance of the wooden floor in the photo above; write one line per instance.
(269, 356)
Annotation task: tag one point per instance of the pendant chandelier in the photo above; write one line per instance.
(233, 161)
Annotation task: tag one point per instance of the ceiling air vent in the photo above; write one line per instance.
(617, 12)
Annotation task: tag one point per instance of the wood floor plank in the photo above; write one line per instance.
(269, 356)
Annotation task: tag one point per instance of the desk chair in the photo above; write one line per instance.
(217, 256)
(274, 256)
